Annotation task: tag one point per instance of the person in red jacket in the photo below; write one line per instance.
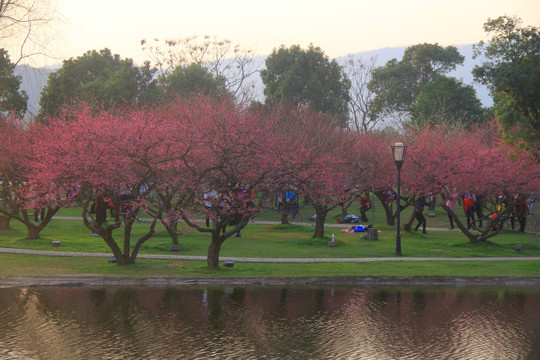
(469, 200)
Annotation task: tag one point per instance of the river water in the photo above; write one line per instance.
(270, 323)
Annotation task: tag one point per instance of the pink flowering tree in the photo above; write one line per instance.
(332, 165)
(175, 153)
(377, 168)
(96, 156)
(323, 155)
(225, 149)
(20, 199)
(443, 160)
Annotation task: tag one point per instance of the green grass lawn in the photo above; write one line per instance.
(280, 241)
(272, 241)
(36, 265)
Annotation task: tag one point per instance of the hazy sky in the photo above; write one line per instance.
(339, 27)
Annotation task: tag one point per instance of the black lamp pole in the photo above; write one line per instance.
(398, 152)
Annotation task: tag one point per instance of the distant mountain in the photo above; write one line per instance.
(35, 79)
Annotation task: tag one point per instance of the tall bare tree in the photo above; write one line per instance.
(22, 24)
(359, 73)
(220, 57)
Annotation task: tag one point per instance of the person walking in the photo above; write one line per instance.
(451, 201)
(419, 205)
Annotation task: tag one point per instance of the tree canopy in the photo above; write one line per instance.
(445, 99)
(307, 78)
(11, 98)
(100, 78)
(512, 73)
(417, 88)
(193, 80)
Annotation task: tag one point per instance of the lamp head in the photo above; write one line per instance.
(398, 151)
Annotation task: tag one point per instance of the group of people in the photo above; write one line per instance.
(290, 205)
(473, 206)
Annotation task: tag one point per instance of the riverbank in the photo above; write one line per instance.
(268, 253)
(362, 281)
(40, 268)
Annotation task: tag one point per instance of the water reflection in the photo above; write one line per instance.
(269, 323)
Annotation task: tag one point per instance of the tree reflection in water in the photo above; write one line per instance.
(269, 322)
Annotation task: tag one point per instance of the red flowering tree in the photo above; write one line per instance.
(176, 152)
(225, 149)
(324, 167)
(18, 195)
(442, 159)
(377, 166)
(97, 156)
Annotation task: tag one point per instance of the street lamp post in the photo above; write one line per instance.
(398, 152)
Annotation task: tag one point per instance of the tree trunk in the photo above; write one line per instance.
(4, 222)
(285, 207)
(408, 225)
(117, 253)
(172, 230)
(33, 231)
(472, 237)
(319, 222)
(213, 251)
(390, 220)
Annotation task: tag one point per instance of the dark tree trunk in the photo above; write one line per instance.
(172, 229)
(408, 225)
(493, 227)
(285, 207)
(344, 206)
(34, 230)
(220, 234)
(319, 222)
(213, 251)
(125, 255)
(390, 220)
(4, 222)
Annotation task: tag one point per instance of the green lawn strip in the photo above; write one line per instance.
(37, 265)
(280, 241)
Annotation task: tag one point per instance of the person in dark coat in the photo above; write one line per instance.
(419, 205)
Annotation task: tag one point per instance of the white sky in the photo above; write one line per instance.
(338, 27)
